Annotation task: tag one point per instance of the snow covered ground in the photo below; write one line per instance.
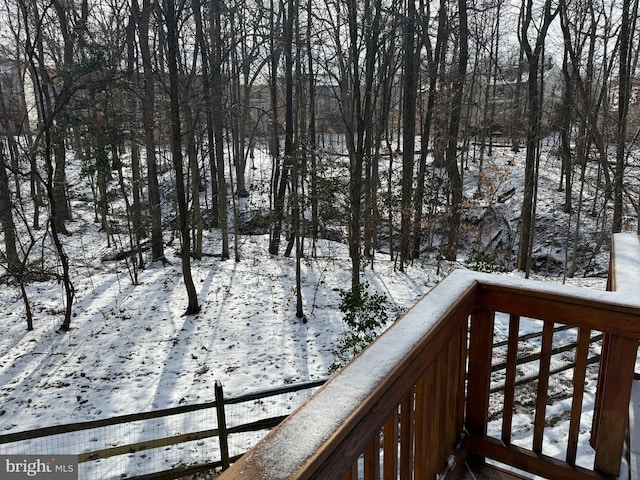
(131, 349)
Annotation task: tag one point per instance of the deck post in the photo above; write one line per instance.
(614, 391)
(479, 376)
(610, 416)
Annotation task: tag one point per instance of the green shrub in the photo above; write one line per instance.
(364, 314)
(484, 263)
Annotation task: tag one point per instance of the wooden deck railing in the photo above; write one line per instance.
(415, 403)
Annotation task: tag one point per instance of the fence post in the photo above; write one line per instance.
(222, 425)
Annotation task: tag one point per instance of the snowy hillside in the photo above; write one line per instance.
(131, 349)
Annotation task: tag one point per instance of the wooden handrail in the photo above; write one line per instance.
(407, 406)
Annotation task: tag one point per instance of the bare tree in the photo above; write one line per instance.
(6, 216)
(50, 102)
(312, 130)
(455, 178)
(434, 60)
(217, 91)
(586, 29)
(565, 125)
(411, 51)
(388, 66)
(276, 20)
(533, 53)
(248, 60)
(281, 180)
(148, 114)
(357, 103)
(624, 94)
(139, 232)
(172, 16)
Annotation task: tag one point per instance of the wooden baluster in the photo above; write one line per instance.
(422, 420)
(441, 448)
(579, 374)
(510, 377)
(352, 473)
(450, 401)
(597, 407)
(543, 386)
(406, 436)
(431, 408)
(390, 447)
(460, 400)
(479, 379)
(456, 390)
(372, 459)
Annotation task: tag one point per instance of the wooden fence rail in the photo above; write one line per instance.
(223, 431)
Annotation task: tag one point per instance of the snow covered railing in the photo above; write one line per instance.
(417, 403)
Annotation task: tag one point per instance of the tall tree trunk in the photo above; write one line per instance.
(533, 55)
(63, 214)
(532, 143)
(358, 104)
(136, 186)
(455, 179)
(49, 105)
(281, 181)
(208, 107)
(433, 62)
(298, 235)
(218, 125)
(102, 173)
(624, 90)
(410, 92)
(243, 89)
(277, 202)
(311, 134)
(192, 155)
(369, 93)
(355, 144)
(59, 129)
(299, 166)
(148, 115)
(565, 134)
(516, 108)
(176, 153)
(6, 216)
(494, 69)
